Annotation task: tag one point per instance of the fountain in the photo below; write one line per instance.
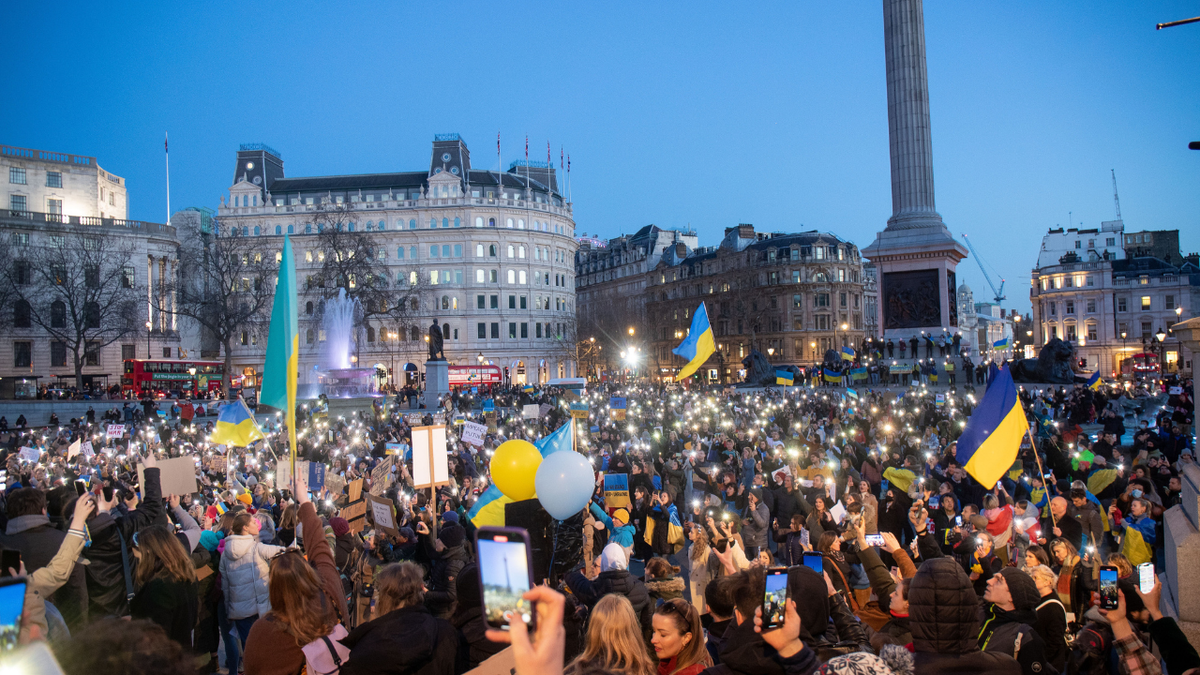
(337, 374)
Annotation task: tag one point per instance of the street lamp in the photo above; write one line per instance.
(631, 331)
(393, 336)
(195, 389)
(149, 325)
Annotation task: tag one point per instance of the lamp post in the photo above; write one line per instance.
(813, 346)
(1161, 336)
(393, 336)
(195, 390)
(149, 325)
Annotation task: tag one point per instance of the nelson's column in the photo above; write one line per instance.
(915, 255)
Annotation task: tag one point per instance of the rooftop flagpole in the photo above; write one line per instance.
(167, 159)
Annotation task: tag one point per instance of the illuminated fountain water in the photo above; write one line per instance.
(338, 374)
(338, 321)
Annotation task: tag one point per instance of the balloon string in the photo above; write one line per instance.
(553, 550)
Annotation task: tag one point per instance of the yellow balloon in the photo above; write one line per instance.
(514, 468)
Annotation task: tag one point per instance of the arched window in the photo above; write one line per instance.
(308, 336)
(479, 276)
(522, 276)
(370, 333)
(58, 314)
(382, 253)
(412, 223)
(520, 224)
(510, 224)
(511, 251)
(400, 253)
(512, 277)
(291, 229)
(308, 308)
(492, 250)
(433, 223)
(278, 229)
(478, 250)
(537, 252)
(351, 227)
(445, 330)
(478, 221)
(491, 222)
(413, 332)
(457, 222)
(412, 252)
(308, 228)
(445, 222)
(370, 226)
(382, 225)
(445, 302)
(257, 230)
(521, 252)
(22, 312)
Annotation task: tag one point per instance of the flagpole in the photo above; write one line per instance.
(167, 159)
(1042, 473)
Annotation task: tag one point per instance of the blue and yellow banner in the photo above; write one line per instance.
(848, 353)
(236, 426)
(989, 444)
(1094, 381)
(784, 377)
(1002, 344)
(489, 508)
(697, 346)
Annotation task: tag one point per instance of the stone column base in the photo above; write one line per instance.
(437, 382)
(1181, 541)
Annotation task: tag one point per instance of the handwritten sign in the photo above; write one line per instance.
(381, 476)
(473, 433)
(355, 491)
(114, 431)
(383, 512)
(531, 411)
(30, 454)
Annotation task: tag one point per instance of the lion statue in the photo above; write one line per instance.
(759, 371)
(1055, 364)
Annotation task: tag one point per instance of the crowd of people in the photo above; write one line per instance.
(921, 568)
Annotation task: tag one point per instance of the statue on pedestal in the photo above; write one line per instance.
(436, 350)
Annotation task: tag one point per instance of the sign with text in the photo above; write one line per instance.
(316, 476)
(531, 411)
(177, 476)
(381, 475)
(616, 490)
(114, 431)
(383, 512)
(473, 433)
(430, 466)
(579, 410)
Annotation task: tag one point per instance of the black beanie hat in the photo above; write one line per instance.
(1022, 588)
(452, 535)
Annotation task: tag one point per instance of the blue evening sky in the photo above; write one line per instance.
(704, 114)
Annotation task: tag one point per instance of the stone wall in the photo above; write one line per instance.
(1181, 537)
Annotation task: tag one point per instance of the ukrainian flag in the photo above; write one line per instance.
(556, 442)
(832, 377)
(1002, 344)
(848, 353)
(989, 444)
(784, 377)
(282, 366)
(852, 394)
(489, 508)
(528, 389)
(236, 425)
(697, 346)
(1094, 380)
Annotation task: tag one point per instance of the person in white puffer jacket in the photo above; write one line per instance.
(244, 576)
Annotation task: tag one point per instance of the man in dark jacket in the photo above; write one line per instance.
(30, 532)
(944, 618)
(774, 652)
(1008, 618)
(1088, 516)
(449, 556)
(109, 570)
(614, 578)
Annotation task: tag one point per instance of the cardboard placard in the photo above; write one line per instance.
(383, 512)
(114, 431)
(472, 433)
(354, 493)
(74, 449)
(616, 490)
(531, 411)
(544, 409)
(381, 476)
(430, 467)
(356, 510)
(177, 476)
(335, 483)
(490, 418)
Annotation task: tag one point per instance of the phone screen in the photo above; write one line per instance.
(874, 539)
(814, 561)
(958, 521)
(775, 598)
(722, 544)
(1146, 577)
(80, 488)
(10, 559)
(504, 574)
(1108, 587)
(12, 603)
(108, 494)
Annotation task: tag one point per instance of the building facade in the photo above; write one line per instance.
(790, 296)
(490, 255)
(64, 210)
(1112, 300)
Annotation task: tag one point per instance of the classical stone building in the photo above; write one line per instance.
(56, 203)
(1112, 293)
(491, 255)
(790, 296)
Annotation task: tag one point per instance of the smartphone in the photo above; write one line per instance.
(874, 539)
(80, 488)
(10, 559)
(1146, 577)
(958, 521)
(722, 544)
(12, 604)
(774, 602)
(814, 561)
(505, 575)
(108, 493)
(1108, 587)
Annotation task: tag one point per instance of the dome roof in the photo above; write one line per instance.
(963, 288)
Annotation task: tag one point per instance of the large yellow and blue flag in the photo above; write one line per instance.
(697, 346)
(1002, 344)
(988, 446)
(784, 377)
(848, 352)
(489, 508)
(1094, 380)
(236, 425)
(282, 366)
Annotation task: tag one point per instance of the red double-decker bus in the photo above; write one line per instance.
(475, 376)
(163, 376)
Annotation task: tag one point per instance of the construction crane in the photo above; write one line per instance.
(997, 294)
(1116, 198)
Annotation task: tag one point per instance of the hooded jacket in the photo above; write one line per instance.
(1012, 633)
(408, 641)
(744, 652)
(244, 566)
(39, 543)
(105, 571)
(943, 612)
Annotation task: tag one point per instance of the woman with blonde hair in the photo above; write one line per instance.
(166, 581)
(1051, 616)
(678, 639)
(614, 641)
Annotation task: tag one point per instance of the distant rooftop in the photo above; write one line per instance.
(46, 156)
(255, 147)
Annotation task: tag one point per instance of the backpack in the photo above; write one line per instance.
(324, 656)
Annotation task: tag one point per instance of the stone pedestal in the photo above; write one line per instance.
(1181, 539)
(437, 382)
(915, 277)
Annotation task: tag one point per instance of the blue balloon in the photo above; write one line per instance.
(564, 481)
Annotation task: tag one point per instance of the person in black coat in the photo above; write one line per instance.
(614, 577)
(404, 637)
(29, 531)
(449, 556)
(1008, 617)
(468, 619)
(944, 619)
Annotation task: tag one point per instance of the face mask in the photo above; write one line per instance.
(1136, 494)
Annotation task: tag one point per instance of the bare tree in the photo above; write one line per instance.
(746, 306)
(226, 284)
(79, 287)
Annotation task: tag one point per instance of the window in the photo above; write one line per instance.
(1111, 241)
(1169, 302)
(511, 251)
(1145, 303)
(495, 302)
(21, 314)
(54, 207)
(58, 314)
(458, 250)
(492, 250)
(524, 302)
(1091, 306)
(538, 332)
(20, 238)
(512, 277)
(91, 276)
(821, 299)
(512, 302)
(1122, 304)
(1053, 309)
(433, 251)
(512, 330)
(16, 202)
(22, 351)
(482, 330)
(16, 175)
(521, 277)
(54, 179)
(1147, 330)
(524, 330)
(822, 321)
(521, 252)
(495, 330)
(21, 272)
(1091, 331)
(1069, 307)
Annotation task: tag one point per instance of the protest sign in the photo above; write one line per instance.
(489, 404)
(114, 431)
(616, 490)
(531, 411)
(356, 515)
(87, 450)
(383, 511)
(30, 454)
(579, 410)
(354, 493)
(617, 404)
(335, 483)
(316, 476)
(430, 464)
(381, 475)
(490, 418)
(544, 409)
(473, 433)
(74, 449)
(393, 449)
(176, 476)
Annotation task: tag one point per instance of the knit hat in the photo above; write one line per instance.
(245, 498)
(407, 533)
(757, 492)
(209, 540)
(450, 517)
(452, 535)
(340, 526)
(1022, 588)
(621, 515)
(892, 660)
